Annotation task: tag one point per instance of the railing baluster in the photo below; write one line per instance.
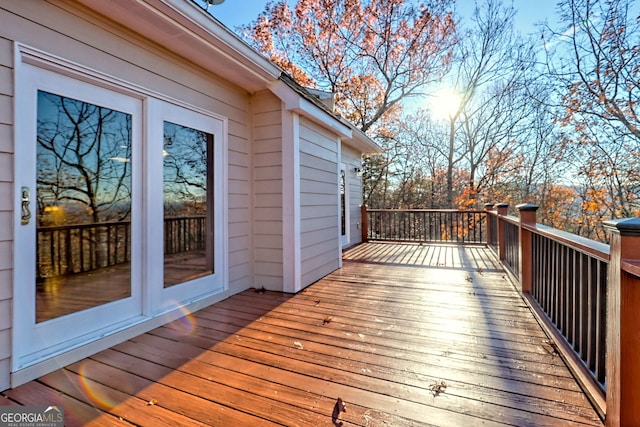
(562, 288)
(584, 305)
(601, 322)
(591, 312)
(553, 275)
(54, 265)
(568, 293)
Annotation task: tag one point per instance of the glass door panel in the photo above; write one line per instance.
(343, 200)
(188, 204)
(83, 212)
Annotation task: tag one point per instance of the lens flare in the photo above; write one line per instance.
(185, 325)
(97, 398)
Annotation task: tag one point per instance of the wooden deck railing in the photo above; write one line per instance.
(424, 225)
(569, 283)
(585, 294)
(72, 249)
(510, 228)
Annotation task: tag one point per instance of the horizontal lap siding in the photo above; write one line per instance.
(352, 160)
(6, 206)
(267, 202)
(318, 202)
(108, 48)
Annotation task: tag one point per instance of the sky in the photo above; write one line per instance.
(234, 13)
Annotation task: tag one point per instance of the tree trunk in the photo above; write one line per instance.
(452, 123)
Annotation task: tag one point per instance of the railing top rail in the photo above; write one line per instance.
(87, 225)
(107, 223)
(510, 218)
(474, 211)
(590, 247)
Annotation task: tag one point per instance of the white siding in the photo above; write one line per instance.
(138, 61)
(6, 207)
(267, 202)
(114, 51)
(352, 159)
(319, 199)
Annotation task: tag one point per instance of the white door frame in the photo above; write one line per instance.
(165, 299)
(69, 338)
(33, 342)
(346, 238)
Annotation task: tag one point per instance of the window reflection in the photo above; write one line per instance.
(343, 207)
(188, 203)
(83, 205)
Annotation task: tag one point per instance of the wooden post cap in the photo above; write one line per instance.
(502, 208)
(527, 207)
(625, 226)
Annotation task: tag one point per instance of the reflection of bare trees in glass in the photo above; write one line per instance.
(188, 203)
(83, 187)
(185, 170)
(84, 153)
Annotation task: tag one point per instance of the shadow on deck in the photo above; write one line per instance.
(406, 335)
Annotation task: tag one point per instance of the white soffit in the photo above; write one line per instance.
(361, 142)
(295, 102)
(187, 30)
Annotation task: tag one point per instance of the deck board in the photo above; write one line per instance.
(406, 335)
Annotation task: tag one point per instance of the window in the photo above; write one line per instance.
(188, 203)
(343, 201)
(83, 212)
(126, 191)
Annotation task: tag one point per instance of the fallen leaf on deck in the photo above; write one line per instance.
(299, 345)
(339, 407)
(550, 347)
(437, 388)
(152, 402)
(327, 320)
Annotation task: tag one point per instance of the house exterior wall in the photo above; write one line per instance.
(281, 170)
(55, 28)
(267, 198)
(319, 214)
(352, 159)
(6, 205)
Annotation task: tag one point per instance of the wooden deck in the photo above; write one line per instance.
(404, 339)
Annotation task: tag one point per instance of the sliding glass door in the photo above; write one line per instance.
(121, 211)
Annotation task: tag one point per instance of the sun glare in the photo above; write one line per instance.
(445, 103)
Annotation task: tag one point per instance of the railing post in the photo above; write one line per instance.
(488, 207)
(527, 217)
(623, 320)
(503, 209)
(364, 223)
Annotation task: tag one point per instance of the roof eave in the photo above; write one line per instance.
(294, 101)
(362, 142)
(185, 29)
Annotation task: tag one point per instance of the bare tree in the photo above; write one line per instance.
(372, 54)
(489, 74)
(84, 153)
(594, 61)
(186, 177)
